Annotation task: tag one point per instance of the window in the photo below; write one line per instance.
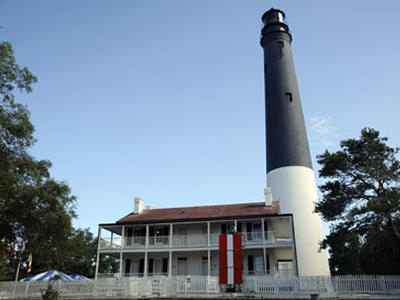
(223, 228)
(250, 264)
(129, 239)
(151, 264)
(139, 236)
(141, 267)
(204, 265)
(249, 231)
(182, 265)
(127, 266)
(285, 268)
(259, 265)
(257, 234)
(239, 227)
(204, 229)
(165, 265)
(289, 97)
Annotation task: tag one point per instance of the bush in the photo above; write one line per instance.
(50, 293)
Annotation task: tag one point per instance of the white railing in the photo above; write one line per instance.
(194, 240)
(255, 238)
(179, 285)
(250, 238)
(108, 243)
(135, 242)
(188, 241)
(108, 275)
(369, 284)
(159, 241)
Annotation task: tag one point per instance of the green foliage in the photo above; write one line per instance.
(11, 75)
(362, 200)
(108, 264)
(34, 207)
(79, 255)
(50, 293)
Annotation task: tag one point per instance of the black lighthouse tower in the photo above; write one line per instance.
(289, 171)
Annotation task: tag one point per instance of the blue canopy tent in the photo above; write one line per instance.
(49, 275)
(78, 277)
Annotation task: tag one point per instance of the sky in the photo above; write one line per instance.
(165, 99)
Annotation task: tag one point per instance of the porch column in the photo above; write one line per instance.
(98, 253)
(170, 235)
(147, 236)
(170, 264)
(265, 260)
(208, 234)
(123, 237)
(120, 263)
(146, 265)
(263, 231)
(209, 262)
(235, 224)
(112, 238)
(272, 263)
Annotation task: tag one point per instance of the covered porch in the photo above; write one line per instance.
(279, 262)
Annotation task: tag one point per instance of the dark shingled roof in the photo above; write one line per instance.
(202, 212)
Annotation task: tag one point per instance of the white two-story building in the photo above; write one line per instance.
(184, 240)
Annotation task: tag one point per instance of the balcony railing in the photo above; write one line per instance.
(108, 243)
(195, 240)
(135, 242)
(250, 238)
(159, 241)
(190, 241)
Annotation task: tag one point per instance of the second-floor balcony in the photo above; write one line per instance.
(193, 240)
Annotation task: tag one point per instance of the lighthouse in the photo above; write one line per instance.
(289, 170)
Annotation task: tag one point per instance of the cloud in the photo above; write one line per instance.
(322, 130)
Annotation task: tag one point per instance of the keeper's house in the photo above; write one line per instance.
(184, 240)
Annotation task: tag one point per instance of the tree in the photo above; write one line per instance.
(35, 209)
(80, 254)
(361, 199)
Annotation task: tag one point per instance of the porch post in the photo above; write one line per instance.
(170, 264)
(263, 231)
(145, 252)
(98, 253)
(208, 271)
(170, 235)
(208, 234)
(209, 262)
(123, 237)
(263, 241)
(272, 262)
(120, 263)
(145, 263)
(265, 261)
(147, 236)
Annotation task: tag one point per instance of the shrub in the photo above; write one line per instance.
(50, 293)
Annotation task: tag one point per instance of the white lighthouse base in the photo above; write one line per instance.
(295, 189)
